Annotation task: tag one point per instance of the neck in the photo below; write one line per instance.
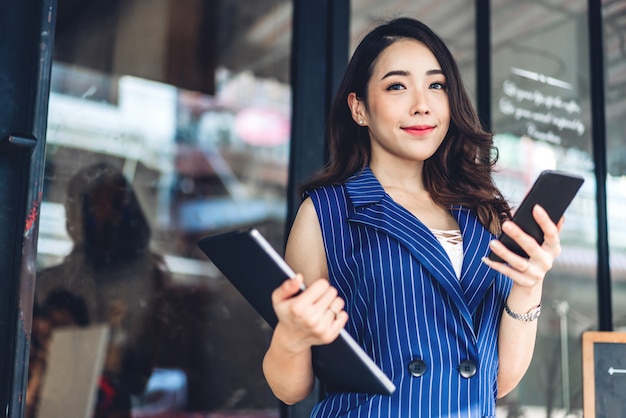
(407, 177)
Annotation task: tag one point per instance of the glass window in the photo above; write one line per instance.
(615, 60)
(168, 121)
(541, 116)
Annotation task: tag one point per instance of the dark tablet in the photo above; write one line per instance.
(255, 269)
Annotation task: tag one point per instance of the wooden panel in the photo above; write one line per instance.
(591, 375)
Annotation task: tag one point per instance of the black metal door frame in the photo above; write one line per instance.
(319, 56)
(598, 132)
(26, 39)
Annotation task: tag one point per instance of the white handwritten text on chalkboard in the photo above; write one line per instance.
(546, 116)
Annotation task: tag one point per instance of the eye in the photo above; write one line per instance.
(396, 86)
(438, 86)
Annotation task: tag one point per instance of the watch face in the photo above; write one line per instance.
(534, 313)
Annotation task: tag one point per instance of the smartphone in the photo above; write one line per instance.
(554, 191)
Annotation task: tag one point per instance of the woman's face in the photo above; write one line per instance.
(407, 112)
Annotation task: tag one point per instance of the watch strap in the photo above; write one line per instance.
(529, 316)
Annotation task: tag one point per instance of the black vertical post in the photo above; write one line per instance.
(483, 61)
(26, 32)
(337, 46)
(319, 55)
(598, 129)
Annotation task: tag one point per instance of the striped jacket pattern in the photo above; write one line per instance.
(434, 335)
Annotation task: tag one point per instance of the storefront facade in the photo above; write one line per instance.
(213, 112)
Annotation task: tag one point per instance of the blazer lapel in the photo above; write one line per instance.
(374, 208)
(476, 276)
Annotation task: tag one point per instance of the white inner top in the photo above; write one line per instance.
(452, 242)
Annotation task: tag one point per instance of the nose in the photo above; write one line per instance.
(419, 104)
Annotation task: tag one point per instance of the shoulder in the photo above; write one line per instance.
(331, 189)
(305, 246)
(327, 199)
(306, 214)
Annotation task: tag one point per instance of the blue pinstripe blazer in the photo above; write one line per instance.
(405, 303)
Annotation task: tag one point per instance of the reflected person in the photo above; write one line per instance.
(112, 268)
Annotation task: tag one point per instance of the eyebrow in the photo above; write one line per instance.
(406, 73)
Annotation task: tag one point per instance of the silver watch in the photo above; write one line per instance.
(531, 315)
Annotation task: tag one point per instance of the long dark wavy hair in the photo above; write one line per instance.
(459, 173)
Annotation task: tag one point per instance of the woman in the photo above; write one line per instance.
(391, 242)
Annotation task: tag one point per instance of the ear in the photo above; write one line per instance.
(357, 108)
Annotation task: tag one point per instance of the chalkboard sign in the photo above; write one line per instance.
(604, 374)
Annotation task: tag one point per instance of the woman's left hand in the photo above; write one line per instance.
(528, 272)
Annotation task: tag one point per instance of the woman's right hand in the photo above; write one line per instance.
(313, 317)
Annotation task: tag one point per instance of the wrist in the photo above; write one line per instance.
(287, 343)
(523, 291)
(521, 299)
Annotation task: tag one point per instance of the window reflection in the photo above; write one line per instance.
(541, 114)
(615, 59)
(129, 190)
(109, 277)
(143, 159)
(191, 107)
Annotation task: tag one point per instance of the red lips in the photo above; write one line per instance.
(419, 130)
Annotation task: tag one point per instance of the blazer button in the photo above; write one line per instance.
(467, 369)
(417, 367)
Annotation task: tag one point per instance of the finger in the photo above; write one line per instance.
(514, 261)
(543, 219)
(341, 321)
(311, 305)
(326, 307)
(327, 299)
(540, 259)
(332, 331)
(552, 241)
(525, 276)
(517, 234)
(288, 289)
(545, 253)
(318, 290)
(336, 306)
(333, 315)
